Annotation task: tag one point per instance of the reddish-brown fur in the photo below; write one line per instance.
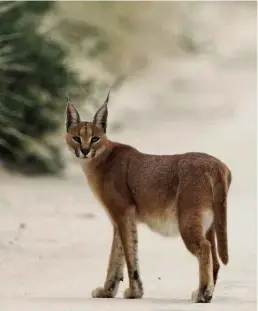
(183, 194)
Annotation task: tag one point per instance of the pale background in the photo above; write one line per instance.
(55, 238)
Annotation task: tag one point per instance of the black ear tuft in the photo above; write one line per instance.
(107, 98)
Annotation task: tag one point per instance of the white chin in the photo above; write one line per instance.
(88, 157)
(82, 157)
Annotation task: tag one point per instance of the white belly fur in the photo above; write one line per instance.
(168, 226)
(207, 219)
(165, 227)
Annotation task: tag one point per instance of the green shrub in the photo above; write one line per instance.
(34, 80)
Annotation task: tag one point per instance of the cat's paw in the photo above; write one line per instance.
(101, 292)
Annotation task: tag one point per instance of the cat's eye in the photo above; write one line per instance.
(77, 139)
(94, 139)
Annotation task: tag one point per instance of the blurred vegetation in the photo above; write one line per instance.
(37, 40)
(124, 36)
(49, 49)
(35, 78)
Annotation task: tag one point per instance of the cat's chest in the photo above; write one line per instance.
(94, 183)
(91, 177)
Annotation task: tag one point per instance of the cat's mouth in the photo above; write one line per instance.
(80, 155)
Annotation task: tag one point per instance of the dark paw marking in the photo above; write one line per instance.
(136, 276)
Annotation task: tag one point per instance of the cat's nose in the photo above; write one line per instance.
(85, 151)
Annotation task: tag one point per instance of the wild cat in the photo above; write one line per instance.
(181, 194)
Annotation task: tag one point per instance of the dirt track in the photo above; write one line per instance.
(55, 238)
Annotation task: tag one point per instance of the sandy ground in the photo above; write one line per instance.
(55, 238)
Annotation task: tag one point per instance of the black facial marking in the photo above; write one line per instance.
(77, 139)
(77, 153)
(94, 139)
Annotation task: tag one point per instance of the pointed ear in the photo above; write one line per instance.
(100, 118)
(72, 116)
